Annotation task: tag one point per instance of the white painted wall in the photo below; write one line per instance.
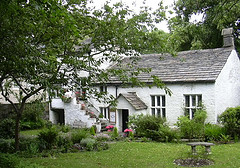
(174, 103)
(227, 89)
(72, 112)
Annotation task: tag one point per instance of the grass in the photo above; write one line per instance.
(30, 132)
(135, 154)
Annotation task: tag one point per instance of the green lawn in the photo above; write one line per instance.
(140, 155)
(30, 132)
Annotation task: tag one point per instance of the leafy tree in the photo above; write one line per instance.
(45, 44)
(217, 14)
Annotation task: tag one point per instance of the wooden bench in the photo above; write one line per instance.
(206, 144)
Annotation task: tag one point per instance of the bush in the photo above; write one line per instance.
(7, 128)
(231, 121)
(152, 127)
(79, 134)
(7, 146)
(29, 145)
(92, 130)
(48, 137)
(115, 133)
(88, 143)
(8, 161)
(32, 117)
(192, 128)
(214, 132)
(146, 125)
(64, 143)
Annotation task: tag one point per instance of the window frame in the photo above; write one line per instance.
(158, 105)
(194, 103)
(103, 89)
(104, 111)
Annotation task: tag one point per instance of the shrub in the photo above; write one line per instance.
(192, 128)
(32, 117)
(231, 121)
(7, 146)
(115, 133)
(29, 146)
(213, 132)
(48, 137)
(88, 143)
(146, 125)
(92, 131)
(7, 128)
(64, 143)
(102, 137)
(7, 160)
(79, 134)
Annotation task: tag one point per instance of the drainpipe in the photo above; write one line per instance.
(116, 91)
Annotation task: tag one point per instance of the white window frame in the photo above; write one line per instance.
(195, 102)
(105, 112)
(158, 108)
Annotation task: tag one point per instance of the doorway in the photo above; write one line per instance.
(59, 116)
(125, 115)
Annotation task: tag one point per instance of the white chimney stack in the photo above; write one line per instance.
(228, 39)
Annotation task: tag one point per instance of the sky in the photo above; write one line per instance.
(135, 4)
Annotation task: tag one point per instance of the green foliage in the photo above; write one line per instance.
(231, 121)
(152, 127)
(79, 134)
(88, 143)
(225, 138)
(7, 128)
(92, 131)
(32, 116)
(91, 144)
(8, 161)
(6, 145)
(115, 133)
(213, 132)
(192, 128)
(44, 44)
(48, 137)
(64, 143)
(207, 32)
(65, 128)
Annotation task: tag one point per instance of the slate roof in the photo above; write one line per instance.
(134, 100)
(187, 66)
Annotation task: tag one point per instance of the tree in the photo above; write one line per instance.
(217, 14)
(44, 45)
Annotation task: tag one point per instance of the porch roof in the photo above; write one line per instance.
(134, 100)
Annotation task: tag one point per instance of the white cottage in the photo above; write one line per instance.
(210, 76)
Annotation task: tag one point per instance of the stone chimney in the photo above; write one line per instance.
(228, 39)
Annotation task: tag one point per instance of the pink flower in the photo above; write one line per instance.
(128, 130)
(109, 130)
(109, 126)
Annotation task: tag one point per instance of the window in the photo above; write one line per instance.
(192, 102)
(103, 89)
(104, 112)
(158, 105)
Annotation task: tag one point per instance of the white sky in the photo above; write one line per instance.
(135, 4)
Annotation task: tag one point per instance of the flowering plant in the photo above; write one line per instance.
(128, 133)
(110, 128)
(127, 130)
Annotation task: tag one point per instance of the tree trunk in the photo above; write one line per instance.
(17, 131)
